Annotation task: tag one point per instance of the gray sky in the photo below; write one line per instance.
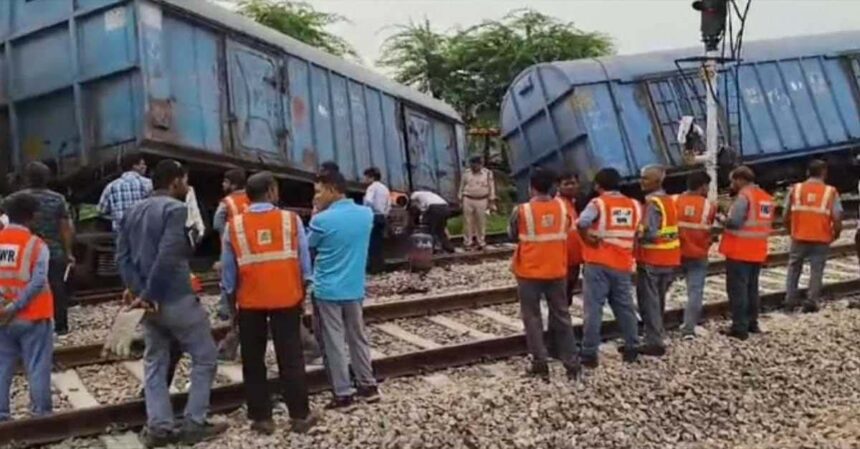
(635, 25)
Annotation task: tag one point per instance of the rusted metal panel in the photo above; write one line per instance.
(192, 81)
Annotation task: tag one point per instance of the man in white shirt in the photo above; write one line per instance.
(378, 199)
(434, 212)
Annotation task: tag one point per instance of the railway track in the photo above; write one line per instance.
(210, 280)
(502, 250)
(409, 337)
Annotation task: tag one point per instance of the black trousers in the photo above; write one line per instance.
(283, 324)
(375, 257)
(572, 281)
(436, 218)
(56, 272)
(742, 288)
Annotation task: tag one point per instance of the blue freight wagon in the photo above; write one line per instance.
(83, 81)
(799, 97)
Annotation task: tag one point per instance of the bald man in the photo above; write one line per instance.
(658, 257)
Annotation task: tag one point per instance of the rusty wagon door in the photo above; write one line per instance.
(257, 87)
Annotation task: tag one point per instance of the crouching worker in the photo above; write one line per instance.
(27, 308)
(264, 263)
(540, 228)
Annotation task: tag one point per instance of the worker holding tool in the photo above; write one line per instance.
(812, 214)
(26, 307)
(152, 258)
(265, 265)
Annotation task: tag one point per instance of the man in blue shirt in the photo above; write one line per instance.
(24, 335)
(340, 234)
(152, 258)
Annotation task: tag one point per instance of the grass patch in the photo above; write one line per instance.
(495, 224)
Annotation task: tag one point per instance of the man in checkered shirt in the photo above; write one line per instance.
(127, 190)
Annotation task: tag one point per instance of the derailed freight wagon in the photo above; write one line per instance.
(799, 98)
(83, 81)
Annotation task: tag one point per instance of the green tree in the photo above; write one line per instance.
(473, 67)
(300, 21)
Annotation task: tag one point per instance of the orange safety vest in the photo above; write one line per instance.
(19, 252)
(811, 212)
(542, 233)
(574, 240)
(695, 218)
(749, 243)
(616, 224)
(236, 203)
(266, 248)
(196, 284)
(665, 251)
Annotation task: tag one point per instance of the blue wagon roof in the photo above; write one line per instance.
(630, 67)
(292, 46)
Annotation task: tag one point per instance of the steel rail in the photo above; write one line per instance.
(98, 420)
(76, 356)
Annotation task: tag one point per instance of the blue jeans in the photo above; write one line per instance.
(33, 344)
(599, 285)
(187, 322)
(695, 272)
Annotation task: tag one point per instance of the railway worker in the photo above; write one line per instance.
(568, 190)
(378, 199)
(658, 257)
(152, 258)
(54, 225)
(744, 244)
(434, 212)
(608, 228)
(235, 202)
(540, 228)
(235, 199)
(477, 196)
(812, 213)
(27, 309)
(340, 235)
(126, 191)
(696, 215)
(265, 264)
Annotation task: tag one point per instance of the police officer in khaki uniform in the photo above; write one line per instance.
(477, 195)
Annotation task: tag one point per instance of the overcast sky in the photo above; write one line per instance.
(635, 25)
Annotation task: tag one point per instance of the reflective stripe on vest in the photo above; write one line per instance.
(231, 206)
(665, 232)
(752, 221)
(532, 236)
(621, 238)
(23, 273)
(823, 208)
(246, 257)
(702, 224)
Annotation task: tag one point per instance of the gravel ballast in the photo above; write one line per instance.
(796, 386)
